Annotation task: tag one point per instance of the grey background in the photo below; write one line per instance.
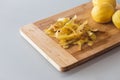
(20, 61)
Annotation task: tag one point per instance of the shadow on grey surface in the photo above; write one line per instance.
(91, 62)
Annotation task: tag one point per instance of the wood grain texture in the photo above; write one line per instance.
(65, 59)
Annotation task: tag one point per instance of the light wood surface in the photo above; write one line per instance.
(65, 59)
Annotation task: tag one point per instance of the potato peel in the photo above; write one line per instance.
(69, 32)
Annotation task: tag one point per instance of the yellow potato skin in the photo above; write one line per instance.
(97, 2)
(116, 19)
(102, 13)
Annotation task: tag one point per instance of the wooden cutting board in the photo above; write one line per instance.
(65, 59)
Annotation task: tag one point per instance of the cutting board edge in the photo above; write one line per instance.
(59, 68)
(38, 49)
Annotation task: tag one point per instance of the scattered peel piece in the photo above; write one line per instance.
(68, 32)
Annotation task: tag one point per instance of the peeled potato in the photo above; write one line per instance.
(98, 2)
(116, 19)
(102, 13)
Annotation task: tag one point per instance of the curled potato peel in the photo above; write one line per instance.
(69, 32)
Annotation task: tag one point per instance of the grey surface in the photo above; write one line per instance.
(20, 61)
